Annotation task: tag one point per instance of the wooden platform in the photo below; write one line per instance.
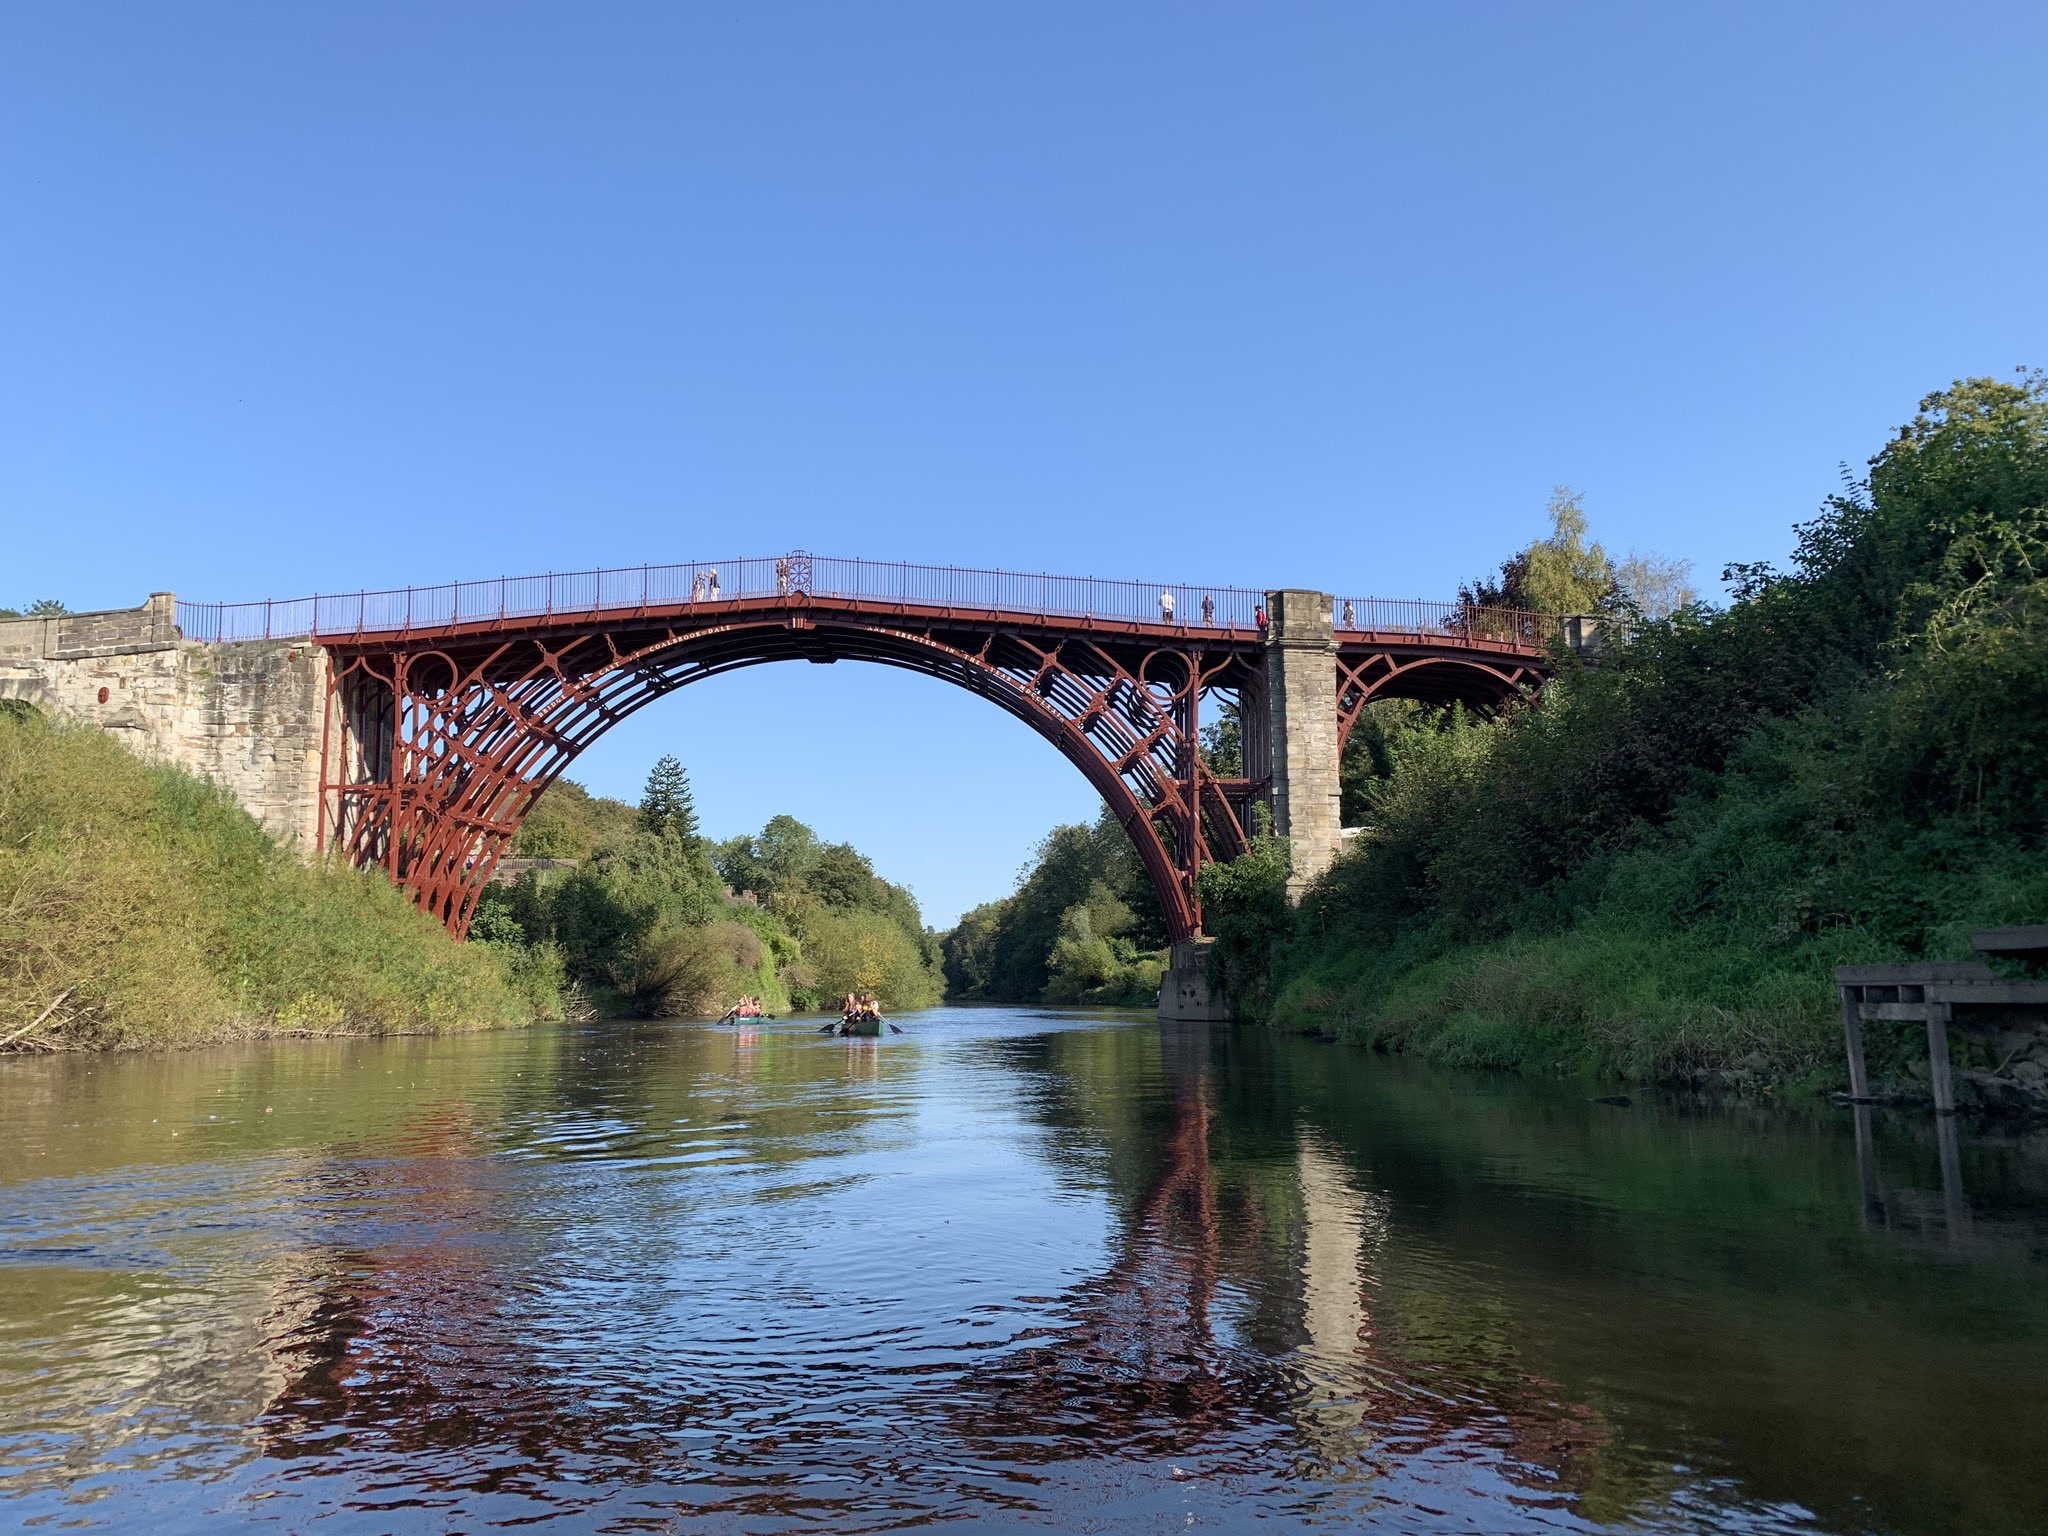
(1937, 994)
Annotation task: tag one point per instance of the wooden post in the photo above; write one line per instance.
(1937, 1059)
(1955, 1209)
(1866, 1169)
(1852, 1034)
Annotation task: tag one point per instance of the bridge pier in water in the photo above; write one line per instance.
(1293, 743)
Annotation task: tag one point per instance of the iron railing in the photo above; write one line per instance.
(1498, 626)
(667, 587)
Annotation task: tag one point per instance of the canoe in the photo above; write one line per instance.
(860, 1026)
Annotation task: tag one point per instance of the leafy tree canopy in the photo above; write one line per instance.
(1566, 573)
(1084, 885)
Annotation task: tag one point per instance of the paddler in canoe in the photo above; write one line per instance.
(860, 1014)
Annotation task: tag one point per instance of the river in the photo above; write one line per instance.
(1008, 1269)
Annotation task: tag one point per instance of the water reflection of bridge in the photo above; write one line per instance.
(1231, 1330)
(1236, 1320)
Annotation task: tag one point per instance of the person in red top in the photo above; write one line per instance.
(1259, 615)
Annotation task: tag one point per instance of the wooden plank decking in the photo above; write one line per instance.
(1935, 993)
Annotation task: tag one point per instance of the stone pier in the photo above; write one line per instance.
(1290, 739)
(245, 715)
(1301, 730)
(1185, 996)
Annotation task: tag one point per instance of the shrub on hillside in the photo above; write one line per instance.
(1656, 867)
(150, 909)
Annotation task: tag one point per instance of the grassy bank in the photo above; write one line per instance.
(1650, 873)
(139, 906)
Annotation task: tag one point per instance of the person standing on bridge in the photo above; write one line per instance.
(697, 588)
(711, 585)
(1259, 616)
(1208, 608)
(1166, 607)
(782, 577)
(1350, 619)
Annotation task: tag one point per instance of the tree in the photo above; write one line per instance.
(1005, 949)
(1654, 586)
(1244, 909)
(1566, 574)
(842, 876)
(665, 806)
(41, 608)
(1510, 590)
(1223, 742)
(969, 950)
(568, 822)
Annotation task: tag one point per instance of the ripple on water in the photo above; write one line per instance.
(1007, 1269)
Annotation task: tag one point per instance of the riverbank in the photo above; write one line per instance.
(140, 907)
(1651, 873)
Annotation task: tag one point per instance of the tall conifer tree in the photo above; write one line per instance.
(665, 806)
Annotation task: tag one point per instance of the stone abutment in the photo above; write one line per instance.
(245, 715)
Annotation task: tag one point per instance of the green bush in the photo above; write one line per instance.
(856, 950)
(1094, 960)
(1244, 909)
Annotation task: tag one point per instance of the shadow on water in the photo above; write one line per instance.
(1011, 1267)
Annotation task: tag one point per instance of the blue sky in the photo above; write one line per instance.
(319, 297)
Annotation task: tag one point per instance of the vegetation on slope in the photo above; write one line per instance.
(1083, 926)
(1652, 872)
(655, 920)
(140, 906)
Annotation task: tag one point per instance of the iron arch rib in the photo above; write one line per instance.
(1484, 684)
(439, 737)
(443, 749)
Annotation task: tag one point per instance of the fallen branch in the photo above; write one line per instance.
(55, 1003)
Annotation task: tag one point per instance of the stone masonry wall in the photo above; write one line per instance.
(1301, 730)
(246, 716)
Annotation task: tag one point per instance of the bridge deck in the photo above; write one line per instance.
(1223, 617)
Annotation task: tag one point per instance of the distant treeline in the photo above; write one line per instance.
(657, 920)
(1083, 926)
(1652, 870)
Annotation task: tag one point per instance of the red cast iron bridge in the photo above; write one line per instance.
(450, 709)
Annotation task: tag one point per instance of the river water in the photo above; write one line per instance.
(1007, 1270)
